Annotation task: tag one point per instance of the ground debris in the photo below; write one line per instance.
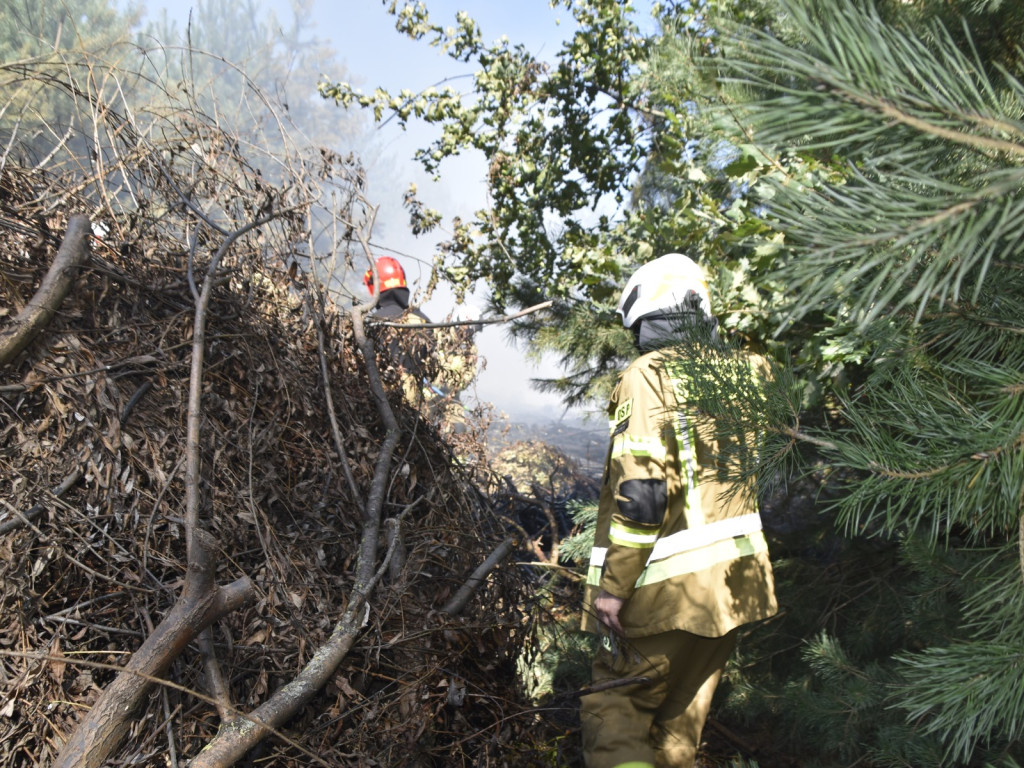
(103, 392)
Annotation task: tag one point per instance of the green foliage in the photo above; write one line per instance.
(253, 71)
(557, 140)
(919, 249)
(563, 332)
(925, 127)
(935, 439)
(576, 548)
(914, 249)
(598, 160)
(851, 172)
(557, 658)
(819, 679)
(33, 29)
(745, 404)
(960, 689)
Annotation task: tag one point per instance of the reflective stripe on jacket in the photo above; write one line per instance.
(683, 552)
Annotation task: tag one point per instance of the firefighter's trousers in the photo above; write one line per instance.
(656, 723)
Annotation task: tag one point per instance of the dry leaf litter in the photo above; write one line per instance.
(84, 576)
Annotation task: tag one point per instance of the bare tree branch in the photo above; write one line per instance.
(73, 477)
(482, 321)
(339, 443)
(238, 737)
(461, 598)
(73, 253)
(195, 390)
(201, 603)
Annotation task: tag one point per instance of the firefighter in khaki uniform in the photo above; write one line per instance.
(433, 368)
(677, 565)
(411, 351)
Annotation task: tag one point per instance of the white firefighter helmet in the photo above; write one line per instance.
(662, 287)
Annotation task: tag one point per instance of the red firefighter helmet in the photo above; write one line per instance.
(390, 273)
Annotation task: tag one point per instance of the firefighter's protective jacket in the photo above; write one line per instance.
(433, 370)
(683, 553)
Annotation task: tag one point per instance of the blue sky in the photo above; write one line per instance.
(364, 34)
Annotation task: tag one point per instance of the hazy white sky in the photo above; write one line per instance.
(375, 54)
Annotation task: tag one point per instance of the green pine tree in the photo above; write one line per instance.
(50, 51)
(912, 251)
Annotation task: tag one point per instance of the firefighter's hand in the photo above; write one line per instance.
(607, 607)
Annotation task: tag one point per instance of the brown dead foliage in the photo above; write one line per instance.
(103, 390)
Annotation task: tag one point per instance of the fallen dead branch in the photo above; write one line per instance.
(201, 603)
(461, 598)
(482, 321)
(73, 477)
(240, 736)
(72, 254)
(156, 681)
(109, 718)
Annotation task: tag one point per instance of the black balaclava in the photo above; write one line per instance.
(393, 302)
(664, 329)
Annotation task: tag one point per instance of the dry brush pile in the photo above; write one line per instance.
(114, 452)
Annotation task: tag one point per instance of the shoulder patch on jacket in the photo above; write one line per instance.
(621, 418)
